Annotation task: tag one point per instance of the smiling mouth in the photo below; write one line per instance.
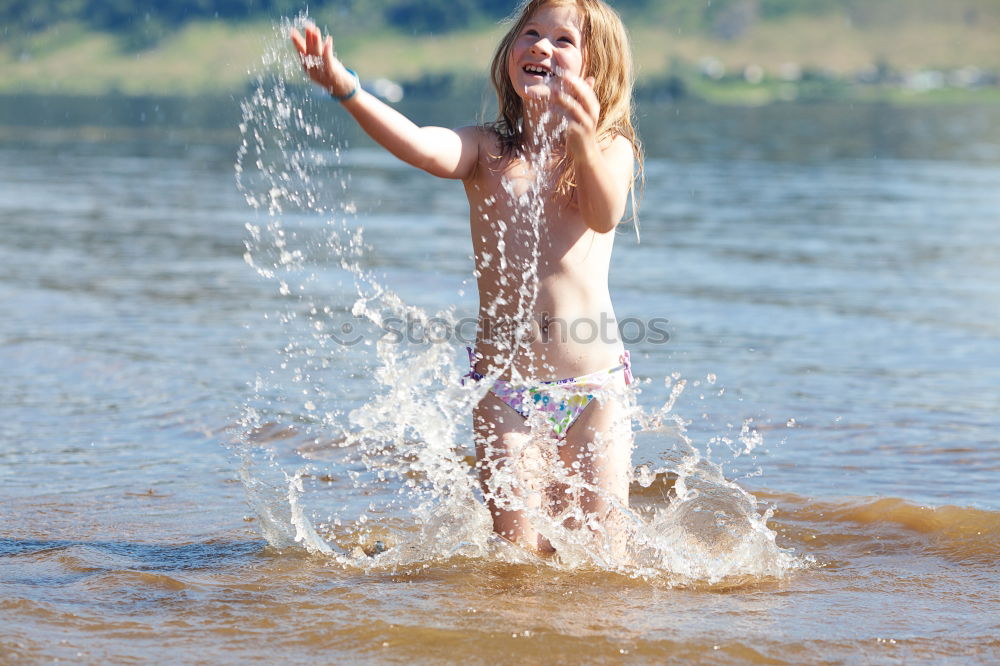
(538, 70)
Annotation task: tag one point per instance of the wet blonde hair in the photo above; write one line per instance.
(607, 56)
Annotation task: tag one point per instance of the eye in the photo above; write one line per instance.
(568, 40)
(531, 32)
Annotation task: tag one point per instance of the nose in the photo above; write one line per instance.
(542, 47)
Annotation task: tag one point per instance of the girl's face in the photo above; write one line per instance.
(550, 44)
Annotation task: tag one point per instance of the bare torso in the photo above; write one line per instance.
(563, 293)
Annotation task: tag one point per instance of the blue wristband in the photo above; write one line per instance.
(354, 90)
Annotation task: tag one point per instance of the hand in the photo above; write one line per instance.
(578, 104)
(318, 61)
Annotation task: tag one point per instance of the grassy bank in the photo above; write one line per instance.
(69, 59)
(213, 56)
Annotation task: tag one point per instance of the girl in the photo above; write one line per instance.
(547, 184)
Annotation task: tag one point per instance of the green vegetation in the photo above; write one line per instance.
(742, 51)
(143, 23)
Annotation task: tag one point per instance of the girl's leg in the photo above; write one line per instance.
(504, 447)
(597, 452)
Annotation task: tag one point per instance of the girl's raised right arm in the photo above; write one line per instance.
(439, 151)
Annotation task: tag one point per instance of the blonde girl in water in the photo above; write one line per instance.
(553, 436)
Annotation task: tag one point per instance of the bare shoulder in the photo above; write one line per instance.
(488, 138)
(472, 132)
(619, 155)
(618, 147)
(487, 144)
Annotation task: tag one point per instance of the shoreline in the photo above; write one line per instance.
(818, 58)
(32, 108)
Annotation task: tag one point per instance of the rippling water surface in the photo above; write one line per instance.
(832, 291)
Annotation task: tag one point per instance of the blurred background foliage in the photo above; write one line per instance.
(144, 22)
(681, 46)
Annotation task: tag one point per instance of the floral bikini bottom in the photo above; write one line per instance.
(561, 401)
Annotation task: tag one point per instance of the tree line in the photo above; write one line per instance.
(151, 19)
(119, 15)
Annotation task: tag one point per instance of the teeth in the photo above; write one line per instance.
(531, 69)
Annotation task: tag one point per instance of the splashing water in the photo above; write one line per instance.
(362, 452)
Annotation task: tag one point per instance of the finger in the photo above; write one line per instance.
(573, 110)
(583, 92)
(299, 41)
(319, 43)
(312, 40)
(574, 81)
(583, 89)
(328, 53)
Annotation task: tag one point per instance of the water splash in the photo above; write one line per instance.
(361, 452)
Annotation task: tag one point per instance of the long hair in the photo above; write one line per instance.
(607, 56)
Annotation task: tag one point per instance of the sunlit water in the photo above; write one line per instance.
(833, 351)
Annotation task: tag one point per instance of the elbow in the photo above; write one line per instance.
(602, 226)
(605, 221)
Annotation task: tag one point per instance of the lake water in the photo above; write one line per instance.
(171, 419)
